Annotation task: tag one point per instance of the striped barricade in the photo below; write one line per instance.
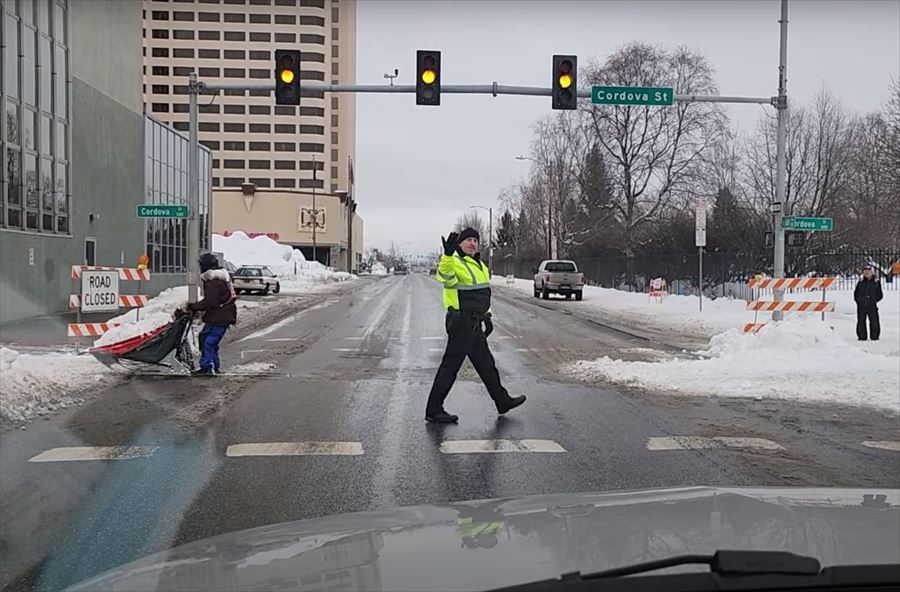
(125, 300)
(125, 273)
(790, 306)
(753, 327)
(792, 283)
(89, 329)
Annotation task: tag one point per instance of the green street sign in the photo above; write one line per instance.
(633, 95)
(796, 223)
(162, 211)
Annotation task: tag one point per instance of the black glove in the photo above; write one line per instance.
(450, 243)
(488, 327)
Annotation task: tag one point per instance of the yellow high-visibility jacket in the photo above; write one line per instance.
(467, 283)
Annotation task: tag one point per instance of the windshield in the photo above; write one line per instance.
(518, 289)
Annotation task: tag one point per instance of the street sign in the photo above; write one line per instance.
(796, 223)
(633, 95)
(700, 221)
(99, 290)
(162, 211)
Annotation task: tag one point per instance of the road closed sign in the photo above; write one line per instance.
(99, 291)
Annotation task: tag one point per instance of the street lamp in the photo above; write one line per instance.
(490, 212)
(549, 210)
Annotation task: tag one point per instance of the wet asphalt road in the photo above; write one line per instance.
(355, 368)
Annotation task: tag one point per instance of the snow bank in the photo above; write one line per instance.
(378, 268)
(136, 322)
(295, 273)
(803, 359)
(34, 384)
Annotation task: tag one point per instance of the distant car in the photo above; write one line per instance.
(255, 278)
(401, 269)
(558, 277)
(230, 268)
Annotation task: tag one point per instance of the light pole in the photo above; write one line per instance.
(315, 211)
(490, 212)
(549, 209)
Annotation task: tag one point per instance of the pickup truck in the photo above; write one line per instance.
(558, 277)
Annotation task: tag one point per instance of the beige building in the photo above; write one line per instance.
(284, 151)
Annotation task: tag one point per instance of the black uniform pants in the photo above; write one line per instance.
(874, 322)
(466, 338)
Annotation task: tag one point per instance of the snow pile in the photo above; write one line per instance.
(378, 268)
(36, 384)
(803, 359)
(294, 272)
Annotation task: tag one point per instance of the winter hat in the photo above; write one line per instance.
(208, 261)
(469, 233)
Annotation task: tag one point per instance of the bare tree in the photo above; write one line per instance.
(654, 153)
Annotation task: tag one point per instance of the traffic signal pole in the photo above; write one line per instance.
(780, 157)
(193, 223)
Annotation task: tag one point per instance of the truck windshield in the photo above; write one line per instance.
(560, 266)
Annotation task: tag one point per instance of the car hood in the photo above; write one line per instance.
(480, 545)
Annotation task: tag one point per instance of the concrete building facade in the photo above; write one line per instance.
(73, 149)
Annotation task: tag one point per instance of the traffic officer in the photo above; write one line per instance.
(467, 299)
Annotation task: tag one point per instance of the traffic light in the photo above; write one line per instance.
(428, 77)
(287, 77)
(565, 82)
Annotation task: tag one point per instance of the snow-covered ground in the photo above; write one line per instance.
(802, 358)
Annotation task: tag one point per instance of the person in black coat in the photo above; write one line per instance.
(219, 312)
(867, 295)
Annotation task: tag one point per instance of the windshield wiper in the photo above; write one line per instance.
(722, 563)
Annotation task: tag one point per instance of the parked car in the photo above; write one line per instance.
(231, 268)
(256, 278)
(556, 276)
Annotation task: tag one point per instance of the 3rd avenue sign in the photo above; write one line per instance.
(162, 211)
(633, 95)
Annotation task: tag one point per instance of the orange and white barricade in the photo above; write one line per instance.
(128, 274)
(658, 289)
(811, 283)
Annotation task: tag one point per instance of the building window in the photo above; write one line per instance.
(234, 72)
(334, 51)
(310, 183)
(285, 165)
(260, 164)
(285, 110)
(264, 183)
(285, 19)
(312, 111)
(182, 34)
(313, 3)
(334, 120)
(159, 34)
(309, 74)
(160, 107)
(208, 108)
(209, 17)
(209, 72)
(160, 15)
(234, 128)
(261, 18)
(160, 52)
(160, 89)
(207, 36)
(260, 128)
(260, 2)
(334, 69)
(307, 165)
(334, 33)
(312, 56)
(282, 128)
(182, 16)
(235, 54)
(182, 53)
(208, 54)
(315, 21)
(260, 55)
(180, 108)
(232, 181)
(211, 144)
(208, 126)
(285, 184)
(335, 13)
(260, 110)
(234, 146)
(261, 37)
(311, 147)
(234, 109)
(334, 172)
(310, 38)
(261, 93)
(285, 147)
(285, 2)
(334, 103)
(260, 146)
(260, 74)
(182, 71)
(181, 126)
(334, 137)
(232, 164)
(317, 130)
(235, 17)
(160, 70)
(235, 36)
(285, 38)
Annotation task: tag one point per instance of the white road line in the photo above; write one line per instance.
(702, 443)
(435, 349)
(72, 453)
(295, 449)
(435, 338)
(883, 444)
(252, 351)
(353, 338)
(283, 339)
(343, 349)
(491, 446)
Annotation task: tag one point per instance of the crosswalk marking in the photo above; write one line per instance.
(491, 446)
(702, 443)
(883, 444)
(73, 453)
(295, 449)
(283, 339)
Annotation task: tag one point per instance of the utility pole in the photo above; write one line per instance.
(193, 225)
(490, 211)
(781, 106)
(315, 211)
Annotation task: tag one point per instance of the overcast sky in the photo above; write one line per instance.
(419, 167)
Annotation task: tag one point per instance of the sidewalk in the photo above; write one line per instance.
(46, 331)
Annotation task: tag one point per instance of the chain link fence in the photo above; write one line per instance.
(724, 274)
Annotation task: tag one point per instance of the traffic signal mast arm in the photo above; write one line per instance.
(495, 89)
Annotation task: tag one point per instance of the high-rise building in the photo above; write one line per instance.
(232, 41)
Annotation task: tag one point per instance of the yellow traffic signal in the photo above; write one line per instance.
(287, 76)
(565, 82)
(428, 77)
(287, 81)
